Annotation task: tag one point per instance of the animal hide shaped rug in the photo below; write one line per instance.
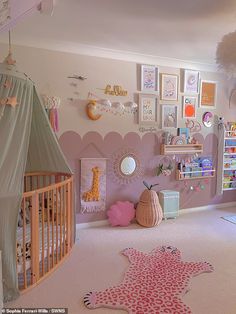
(153, 283)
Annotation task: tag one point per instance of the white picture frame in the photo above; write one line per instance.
(208, 94)
(189, 107)
(147, 109)
(191, 82)
(169, 116)
(149, 78)
(169, 87)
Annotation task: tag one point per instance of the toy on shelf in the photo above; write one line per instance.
(198, 168)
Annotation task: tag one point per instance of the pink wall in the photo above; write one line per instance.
(93, 145)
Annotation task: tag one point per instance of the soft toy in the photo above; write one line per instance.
(121, 213)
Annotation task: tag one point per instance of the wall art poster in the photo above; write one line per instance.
(208, 94)
(169, 87)
(191, 81)
(93, 185)
(169, 116)
(189, 107)
(147, 109)
(149, 78)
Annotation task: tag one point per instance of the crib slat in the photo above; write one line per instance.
(24, 244)
(57, 225)
(35, 238)
(48, 229)
(60, 213)
(68, 229)
(43, 209)
(64, 220)
(53, 236)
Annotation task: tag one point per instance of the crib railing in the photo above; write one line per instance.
(46, 234)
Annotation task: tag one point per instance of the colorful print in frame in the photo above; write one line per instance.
(147, 109)
(169, 87)
(191, 81)
(208, 94)
(169, 116)
(149, 78)
(189, 107)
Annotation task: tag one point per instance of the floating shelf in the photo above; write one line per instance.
(181, 149)
(180, 174)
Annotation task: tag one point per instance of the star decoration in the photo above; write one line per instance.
(12, 101)
(7, 84)
(3, 101)
(9, 59)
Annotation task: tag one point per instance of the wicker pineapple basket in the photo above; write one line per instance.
(149, 212)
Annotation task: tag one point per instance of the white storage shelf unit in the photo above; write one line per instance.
(229, 161)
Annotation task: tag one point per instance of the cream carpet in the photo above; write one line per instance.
(95, 262)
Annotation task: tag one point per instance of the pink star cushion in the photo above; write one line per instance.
(121, 213)
(153, 284)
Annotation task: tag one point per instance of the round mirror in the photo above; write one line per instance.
(125, 166)
(128, 165)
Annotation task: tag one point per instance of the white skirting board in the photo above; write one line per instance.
(181, 212)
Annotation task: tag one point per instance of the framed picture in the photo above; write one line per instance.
(149, 78)
(184, 132)
(147, 109)
(191, 82)
(189, 107)
(208, 94)
(169, 116)
(169, 87)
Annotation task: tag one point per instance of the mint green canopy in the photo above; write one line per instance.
(27, 143)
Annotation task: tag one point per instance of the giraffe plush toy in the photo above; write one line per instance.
(153, 283)
(94, 193)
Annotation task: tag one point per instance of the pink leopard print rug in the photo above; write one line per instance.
(153, 283)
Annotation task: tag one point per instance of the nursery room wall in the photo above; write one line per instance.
(117, 132)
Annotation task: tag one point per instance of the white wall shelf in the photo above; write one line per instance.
(181, 175)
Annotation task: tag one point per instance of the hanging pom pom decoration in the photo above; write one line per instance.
(51, 104)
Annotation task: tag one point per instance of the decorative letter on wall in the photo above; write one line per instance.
(93, 185)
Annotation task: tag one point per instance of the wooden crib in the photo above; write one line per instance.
(45, 232)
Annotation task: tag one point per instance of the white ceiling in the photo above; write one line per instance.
(180, 29)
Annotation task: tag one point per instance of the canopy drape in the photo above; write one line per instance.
(27, 143)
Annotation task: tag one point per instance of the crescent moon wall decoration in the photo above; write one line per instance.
(207, 119)
(91, 106)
